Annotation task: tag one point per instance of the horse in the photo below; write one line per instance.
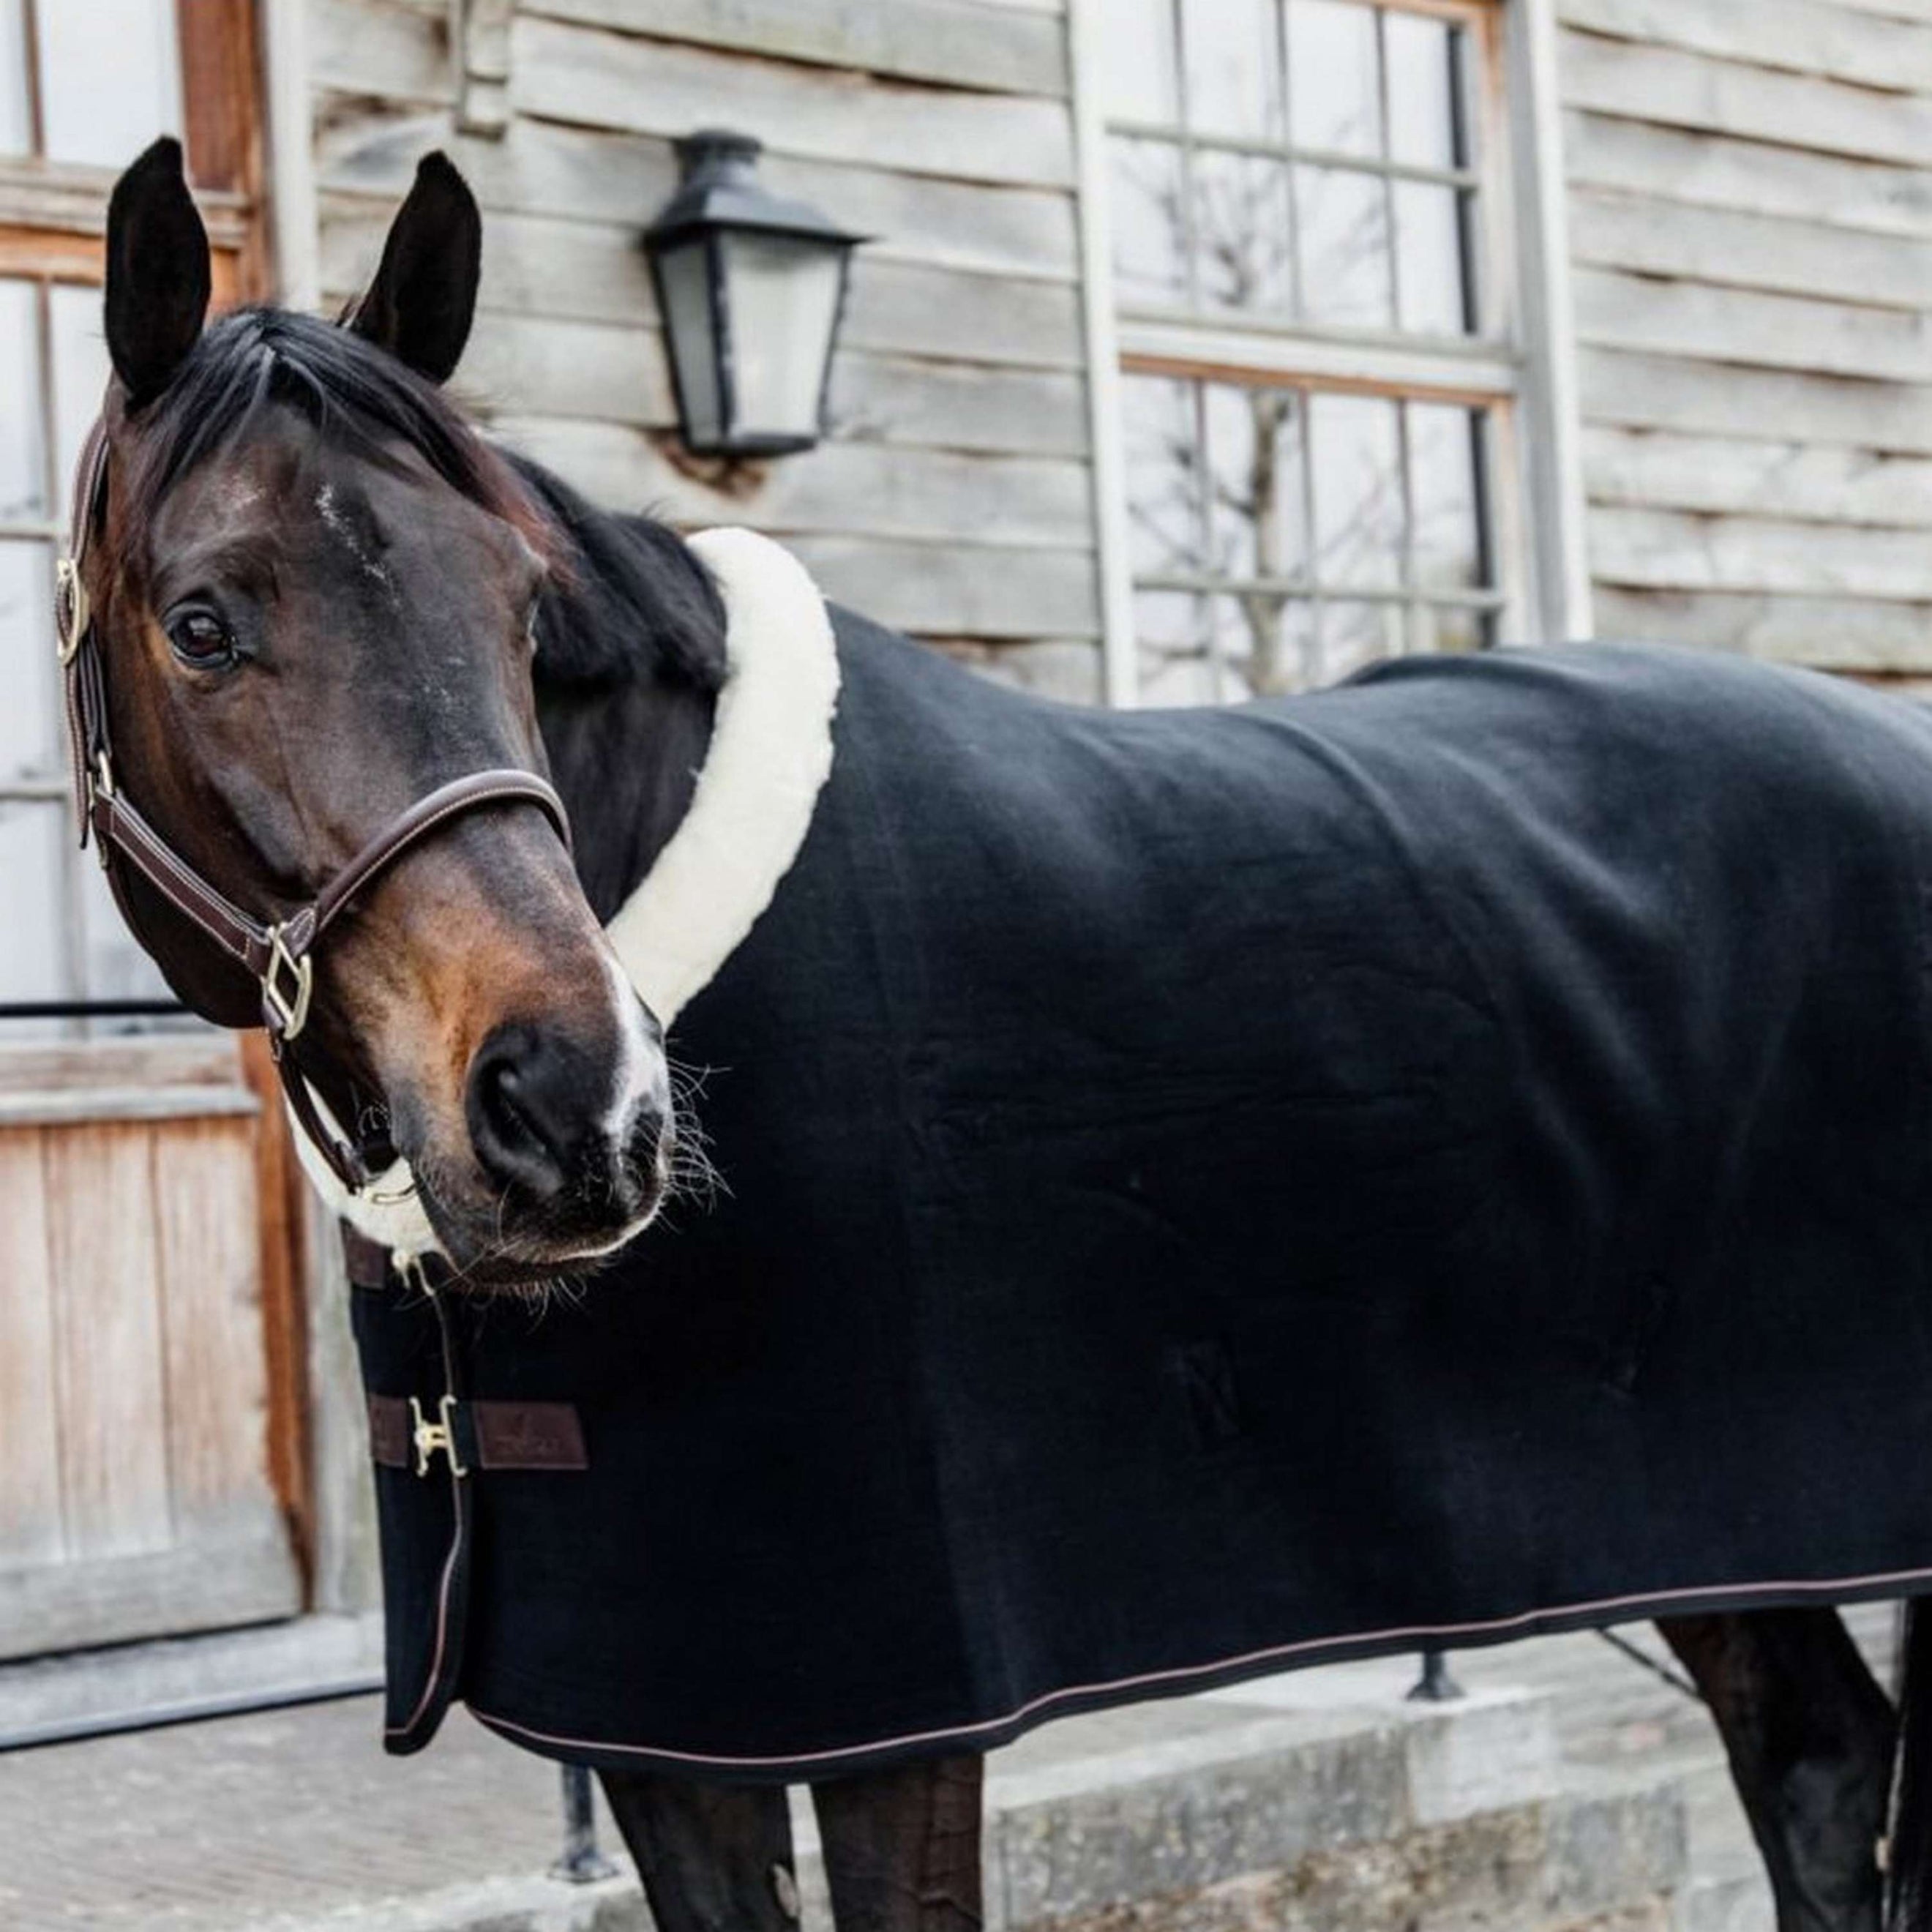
(466, 790)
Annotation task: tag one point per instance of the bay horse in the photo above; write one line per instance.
(329, 650)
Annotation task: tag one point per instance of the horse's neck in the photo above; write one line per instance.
(626, 762)
(633, 647)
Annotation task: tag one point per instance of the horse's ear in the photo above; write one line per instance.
(157, 273)
(421, 302)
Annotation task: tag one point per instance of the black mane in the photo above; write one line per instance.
(628, 602)
(630, 581)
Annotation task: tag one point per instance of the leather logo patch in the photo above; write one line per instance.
(529, 1436)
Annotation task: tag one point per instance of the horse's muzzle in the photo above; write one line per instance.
(573, 1168)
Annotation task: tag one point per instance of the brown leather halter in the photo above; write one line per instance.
(278, 953)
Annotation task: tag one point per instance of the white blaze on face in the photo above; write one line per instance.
(640, 1079)
(346, 534)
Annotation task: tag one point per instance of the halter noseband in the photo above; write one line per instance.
(279, 954)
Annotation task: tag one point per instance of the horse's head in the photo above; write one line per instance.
(313, 589)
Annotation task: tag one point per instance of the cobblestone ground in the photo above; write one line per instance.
(203, 1828)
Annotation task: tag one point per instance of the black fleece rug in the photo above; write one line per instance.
(1207, 1191)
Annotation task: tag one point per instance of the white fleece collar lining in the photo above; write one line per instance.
(769, 756)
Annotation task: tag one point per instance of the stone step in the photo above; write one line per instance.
(1738, 1902)
(1324, 1803)
(1728, 1892)
(1605, 1858)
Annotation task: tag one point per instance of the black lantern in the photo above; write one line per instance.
(751, 289)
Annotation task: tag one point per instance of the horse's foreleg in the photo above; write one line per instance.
(1809, 1735)
(713, 1857)
(902, 1847)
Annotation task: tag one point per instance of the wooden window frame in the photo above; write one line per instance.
(50, 209)
(1520, 371)
(53, 217)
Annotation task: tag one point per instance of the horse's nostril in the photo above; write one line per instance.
(526, 1112)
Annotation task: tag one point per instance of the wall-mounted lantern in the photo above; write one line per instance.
(751, 289)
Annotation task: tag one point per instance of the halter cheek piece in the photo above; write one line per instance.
(279, 954)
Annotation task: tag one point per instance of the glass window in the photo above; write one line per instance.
(1241, 233)
(1335, 66)
(1308, 157)
(1346, 272)
(1285, 535)
(94, 83)
(1234, 69)
(1295, 184)
(1150, 229)
(1142, 56)
(1425, 90)
(63, 939)
(83, 87)
(16, 104)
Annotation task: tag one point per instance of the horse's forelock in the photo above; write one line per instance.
(357, 395)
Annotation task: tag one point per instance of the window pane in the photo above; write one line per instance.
(1242, 236)
(29, 738)
(110, 78)
(1138, 53)
(1267, 645)
(1422, 86)
(1254, 450)
(31, 954)
(1355, 635)
(23, 464)
(1233, 68)
(1149, 218)
(1163, 475)
(1334, 86)
(1218, 475)
(1444, 453)
(1171, 628)
(80, 367)
(1345, 277)
(1358, 510)
(17, 132)
(1428, 234)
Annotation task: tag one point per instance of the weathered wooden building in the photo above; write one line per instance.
(1202, 345)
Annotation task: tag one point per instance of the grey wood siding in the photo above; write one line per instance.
(1750, 201)
(954, 496)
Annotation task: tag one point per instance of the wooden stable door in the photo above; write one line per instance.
(151, 1478)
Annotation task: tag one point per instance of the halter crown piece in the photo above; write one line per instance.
(279, 954)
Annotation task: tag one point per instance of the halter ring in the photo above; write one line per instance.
(74, 611)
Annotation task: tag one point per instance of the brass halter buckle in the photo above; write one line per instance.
(286, 984)
(72, 609)
(437, 1438)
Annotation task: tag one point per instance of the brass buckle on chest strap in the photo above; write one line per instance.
(286, 984)
(437, 1438)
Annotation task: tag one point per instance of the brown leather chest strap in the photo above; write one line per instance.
(492, 1435)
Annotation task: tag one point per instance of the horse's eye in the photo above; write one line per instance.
(200, 637)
